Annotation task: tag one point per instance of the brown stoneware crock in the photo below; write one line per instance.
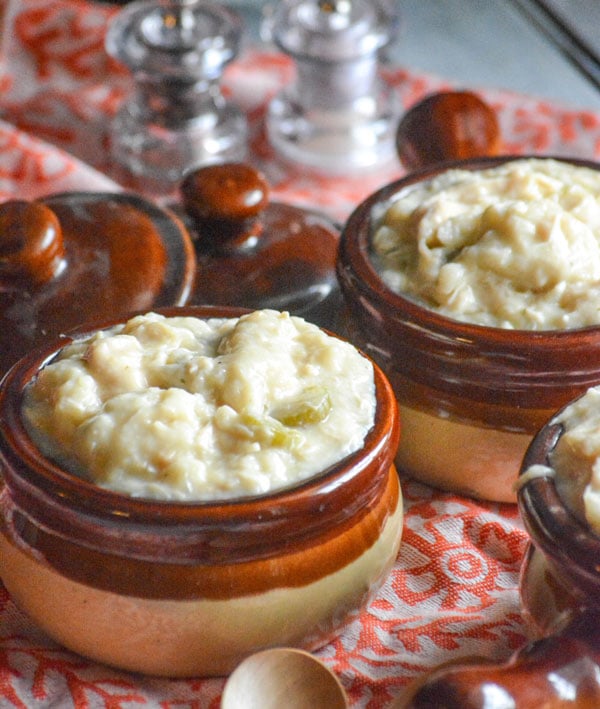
(560, 596)
(191, 588)
(471, 397)
(560, 577)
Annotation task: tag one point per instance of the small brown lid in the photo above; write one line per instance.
(255, 253)
(80, 257)
(447, 125)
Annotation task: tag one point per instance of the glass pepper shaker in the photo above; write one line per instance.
(176, 117)
(339, 116)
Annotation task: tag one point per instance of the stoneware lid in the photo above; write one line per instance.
(80, 257)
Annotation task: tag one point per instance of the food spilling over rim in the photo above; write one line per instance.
(552, 526)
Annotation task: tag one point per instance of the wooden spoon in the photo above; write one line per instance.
(283, 677)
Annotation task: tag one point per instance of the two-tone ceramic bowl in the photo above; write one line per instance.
(559, 584)
(190, 587)
(473, 393)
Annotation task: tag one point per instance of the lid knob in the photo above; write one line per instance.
(31, 243)
(225, 201)
(448, 125)
(255, 252)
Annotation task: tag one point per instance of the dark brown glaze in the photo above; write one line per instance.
(103, 255)
(568, 544)
(191, 550)
(449, 125)
(300, 563)
(563, 547)
(224, 202)
(509, 379)
(555, 673)
(257, 253)
(561, 669)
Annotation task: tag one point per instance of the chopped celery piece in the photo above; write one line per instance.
(312, 406)
(269, 431)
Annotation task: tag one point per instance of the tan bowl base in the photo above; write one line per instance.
(478, 462)
(177, 638)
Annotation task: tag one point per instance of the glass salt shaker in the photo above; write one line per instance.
(338, 116)
(177, 117)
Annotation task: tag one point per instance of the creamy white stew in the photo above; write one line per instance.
(184, 408)
(512, 246)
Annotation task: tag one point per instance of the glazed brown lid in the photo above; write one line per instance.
(447, 125)
(76, 257)
(257, 253)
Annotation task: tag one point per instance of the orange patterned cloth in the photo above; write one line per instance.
(454, 589)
